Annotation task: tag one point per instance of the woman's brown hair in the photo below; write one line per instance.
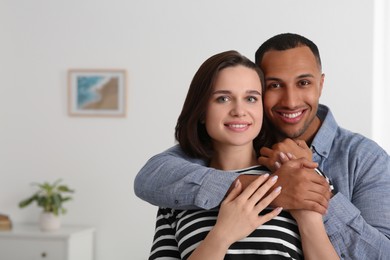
(190, 132)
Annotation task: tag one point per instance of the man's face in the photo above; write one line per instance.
(293, 83)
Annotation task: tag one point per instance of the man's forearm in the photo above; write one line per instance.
(352, 235)
(173, 180)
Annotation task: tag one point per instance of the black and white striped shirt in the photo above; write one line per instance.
(179, 232)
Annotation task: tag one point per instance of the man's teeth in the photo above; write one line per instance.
(293, 115)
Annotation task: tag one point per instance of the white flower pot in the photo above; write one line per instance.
(49, 222)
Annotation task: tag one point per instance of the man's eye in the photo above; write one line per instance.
(304, 83)
(274, 85)
(222, 99)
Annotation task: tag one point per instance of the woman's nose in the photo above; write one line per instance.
(238, 110)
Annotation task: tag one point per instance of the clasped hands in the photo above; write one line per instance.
(303, 189)
(293, 185)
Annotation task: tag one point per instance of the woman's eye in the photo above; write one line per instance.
(252, 99)
(222, 99)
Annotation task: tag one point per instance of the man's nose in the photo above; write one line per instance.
(290, 97)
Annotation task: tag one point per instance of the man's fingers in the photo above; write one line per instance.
(301, 143)
(301, 163)
(319, 199)
(313, 206)
(266, 152)
(237, 188)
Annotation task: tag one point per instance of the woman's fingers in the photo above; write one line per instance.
(261, 191)
(248, 191)
(255, 193)
(267, 217)
(264, 202)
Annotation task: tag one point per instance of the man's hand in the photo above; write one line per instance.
(271, 158)
(302, 187)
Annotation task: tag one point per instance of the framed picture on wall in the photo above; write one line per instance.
(97, 92)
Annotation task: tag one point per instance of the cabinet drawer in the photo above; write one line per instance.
(32, 249)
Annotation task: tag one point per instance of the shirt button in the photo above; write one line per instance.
(176, 202)
(342, 255)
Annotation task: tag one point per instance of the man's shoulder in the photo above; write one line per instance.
(356, 141)
(343, 137)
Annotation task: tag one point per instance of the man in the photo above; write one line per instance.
(356, 217)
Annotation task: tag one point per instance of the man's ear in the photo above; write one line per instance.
(322, 82)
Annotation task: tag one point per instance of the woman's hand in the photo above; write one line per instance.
(238, 217)
(239, 212)
(282, 152)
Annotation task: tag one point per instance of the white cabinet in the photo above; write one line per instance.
(27, 242)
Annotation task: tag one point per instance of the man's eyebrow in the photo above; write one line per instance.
(272, 78)
(308, 75)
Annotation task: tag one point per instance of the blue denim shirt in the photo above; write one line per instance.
(358, 217)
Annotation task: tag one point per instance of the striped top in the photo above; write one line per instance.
(179, 232)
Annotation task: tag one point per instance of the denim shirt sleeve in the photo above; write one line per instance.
(358, 224)
(173, 180)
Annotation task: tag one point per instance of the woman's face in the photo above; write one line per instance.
(234, 113)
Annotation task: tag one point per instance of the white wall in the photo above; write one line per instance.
(381, 71)
(160, 44)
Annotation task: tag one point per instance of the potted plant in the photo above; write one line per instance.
(50, 197)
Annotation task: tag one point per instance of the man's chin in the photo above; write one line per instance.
(289, 134)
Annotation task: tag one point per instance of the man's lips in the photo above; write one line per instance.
(291, 117)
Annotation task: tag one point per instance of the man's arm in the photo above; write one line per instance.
(172, 179)
(358, 223)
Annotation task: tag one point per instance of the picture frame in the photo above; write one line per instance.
(97, 92)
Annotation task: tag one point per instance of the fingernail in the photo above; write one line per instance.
(278, 189)
(236, 184)
(279, 209)
(290, 156)
(266, 175)
(275, 178)
(277, 165)
(283, 155)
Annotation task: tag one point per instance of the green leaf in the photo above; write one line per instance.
(49, 197)
(28, 201)
(64, 188)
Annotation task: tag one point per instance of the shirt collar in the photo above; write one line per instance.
(323, 140)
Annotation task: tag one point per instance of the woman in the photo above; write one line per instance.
(220, 122)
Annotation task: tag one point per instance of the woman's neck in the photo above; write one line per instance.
(233, 158)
